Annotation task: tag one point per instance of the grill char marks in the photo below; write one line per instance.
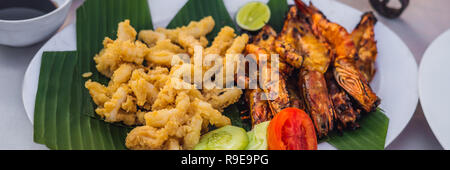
(345, 71)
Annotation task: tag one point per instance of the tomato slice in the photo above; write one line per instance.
(291, 129)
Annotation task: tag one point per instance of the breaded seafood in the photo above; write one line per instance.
(148, 89)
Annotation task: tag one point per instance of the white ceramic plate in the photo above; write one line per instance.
(434, 87)
(395, 82)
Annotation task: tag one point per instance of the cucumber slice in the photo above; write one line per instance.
(258, 137)
(224, 138)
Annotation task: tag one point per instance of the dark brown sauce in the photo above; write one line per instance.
(25, 9)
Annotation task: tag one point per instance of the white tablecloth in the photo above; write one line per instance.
(420, 24)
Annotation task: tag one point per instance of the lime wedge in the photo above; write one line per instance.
(253, 16)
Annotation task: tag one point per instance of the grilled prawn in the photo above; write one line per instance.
(345, 71)
(318, 103)
(287, 44)
(310, 51)
(259, 109)
(266, 39)
(275, 90)
(366, 46)
(295, 95)
(346, 115)
(316, 56)
(262, 109)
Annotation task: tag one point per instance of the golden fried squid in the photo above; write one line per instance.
(366, 46)
(148, 86)
(345, 71)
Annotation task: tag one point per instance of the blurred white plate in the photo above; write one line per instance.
(395, 81)
(434, 87)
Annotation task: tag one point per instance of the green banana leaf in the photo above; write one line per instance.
(97, 19)
(278, 10)
(64, 114)
(370, 136)
(195, 10)
(59, 121)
